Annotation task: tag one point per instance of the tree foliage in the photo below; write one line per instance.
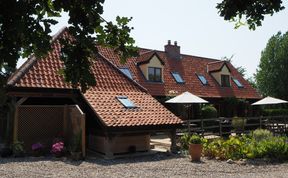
(272, 74)
(25, 27)
(251, 10)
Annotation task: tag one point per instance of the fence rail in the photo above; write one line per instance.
(224, 126)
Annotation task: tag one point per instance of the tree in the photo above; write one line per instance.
(25, 27)
(252, 10)
(272, 74)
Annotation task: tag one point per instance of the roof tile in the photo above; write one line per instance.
(188, 66)
(111, 82)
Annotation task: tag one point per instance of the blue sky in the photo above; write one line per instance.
(197, 28)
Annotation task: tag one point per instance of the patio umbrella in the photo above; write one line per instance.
(269, 100)
(187, 98)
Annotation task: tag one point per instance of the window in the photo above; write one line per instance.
(225, 80)
(127, 72)
(126, 102)
(177, 77)
(239, 84)
(202, 79)
(154, 74)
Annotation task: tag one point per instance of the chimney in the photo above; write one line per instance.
(173, 51)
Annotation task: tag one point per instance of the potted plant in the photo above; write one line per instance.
(75, 146)
(37, 149)
(58, 149)
(18, 149)
(195, 147)
(238, 123)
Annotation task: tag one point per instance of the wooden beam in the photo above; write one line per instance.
(83, 127)
(21, 101)
(41, 94)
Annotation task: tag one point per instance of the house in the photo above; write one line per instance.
(168, 73)
(116, 116)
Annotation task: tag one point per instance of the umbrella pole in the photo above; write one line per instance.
(189, 115)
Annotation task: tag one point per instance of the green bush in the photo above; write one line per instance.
(238, 123)
(18, 149)
(260, 145)
(209, 111)
(187, 139)
(261, 134)
(275, 112)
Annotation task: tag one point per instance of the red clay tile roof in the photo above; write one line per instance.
(111, 82)
(216, 66)
(188, 66)
(147, 56)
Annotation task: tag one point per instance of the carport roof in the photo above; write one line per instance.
(102, 98)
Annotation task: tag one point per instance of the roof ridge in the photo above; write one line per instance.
(216, 62)
(115, 67)
(15, 77)
(146, 52)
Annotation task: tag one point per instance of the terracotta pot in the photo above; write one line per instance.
(195, 151)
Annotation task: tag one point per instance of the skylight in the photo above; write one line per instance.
(202, 79)
(127, 72)
(239, 84)
(177, 77)
(126, 102)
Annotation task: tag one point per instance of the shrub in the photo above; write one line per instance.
(37, 149)
(195, 139)
(261, 134)
(215, 149)
(18, 149)
(187, 139)
(209, 111)
(275, 112)
(58, 149)
(267, 146)
(272, 148)
(238, 123)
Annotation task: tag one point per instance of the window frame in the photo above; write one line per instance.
(236, 81)
(126, 68)
(229, 82)
(154, 74)
(177, 73)
(199, 77)
(124, 99)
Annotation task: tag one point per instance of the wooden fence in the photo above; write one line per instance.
(223, 126)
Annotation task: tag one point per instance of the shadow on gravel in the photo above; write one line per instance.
(100, 161)
(137, 159)
(263, 162)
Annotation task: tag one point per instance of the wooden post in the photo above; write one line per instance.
(173, 147)
(65, 123)
(83, 127)
(16, 119)
(202, 128)
(260, 120)
(220, 127)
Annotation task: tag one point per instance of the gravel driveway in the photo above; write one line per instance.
(158, 165)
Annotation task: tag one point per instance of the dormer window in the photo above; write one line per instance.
(225, 80)
(177, 77)
(125, 101)
(127, 72)
(154, 74)
(202, 79)
(238, 83)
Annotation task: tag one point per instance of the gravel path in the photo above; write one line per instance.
(158, 165)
